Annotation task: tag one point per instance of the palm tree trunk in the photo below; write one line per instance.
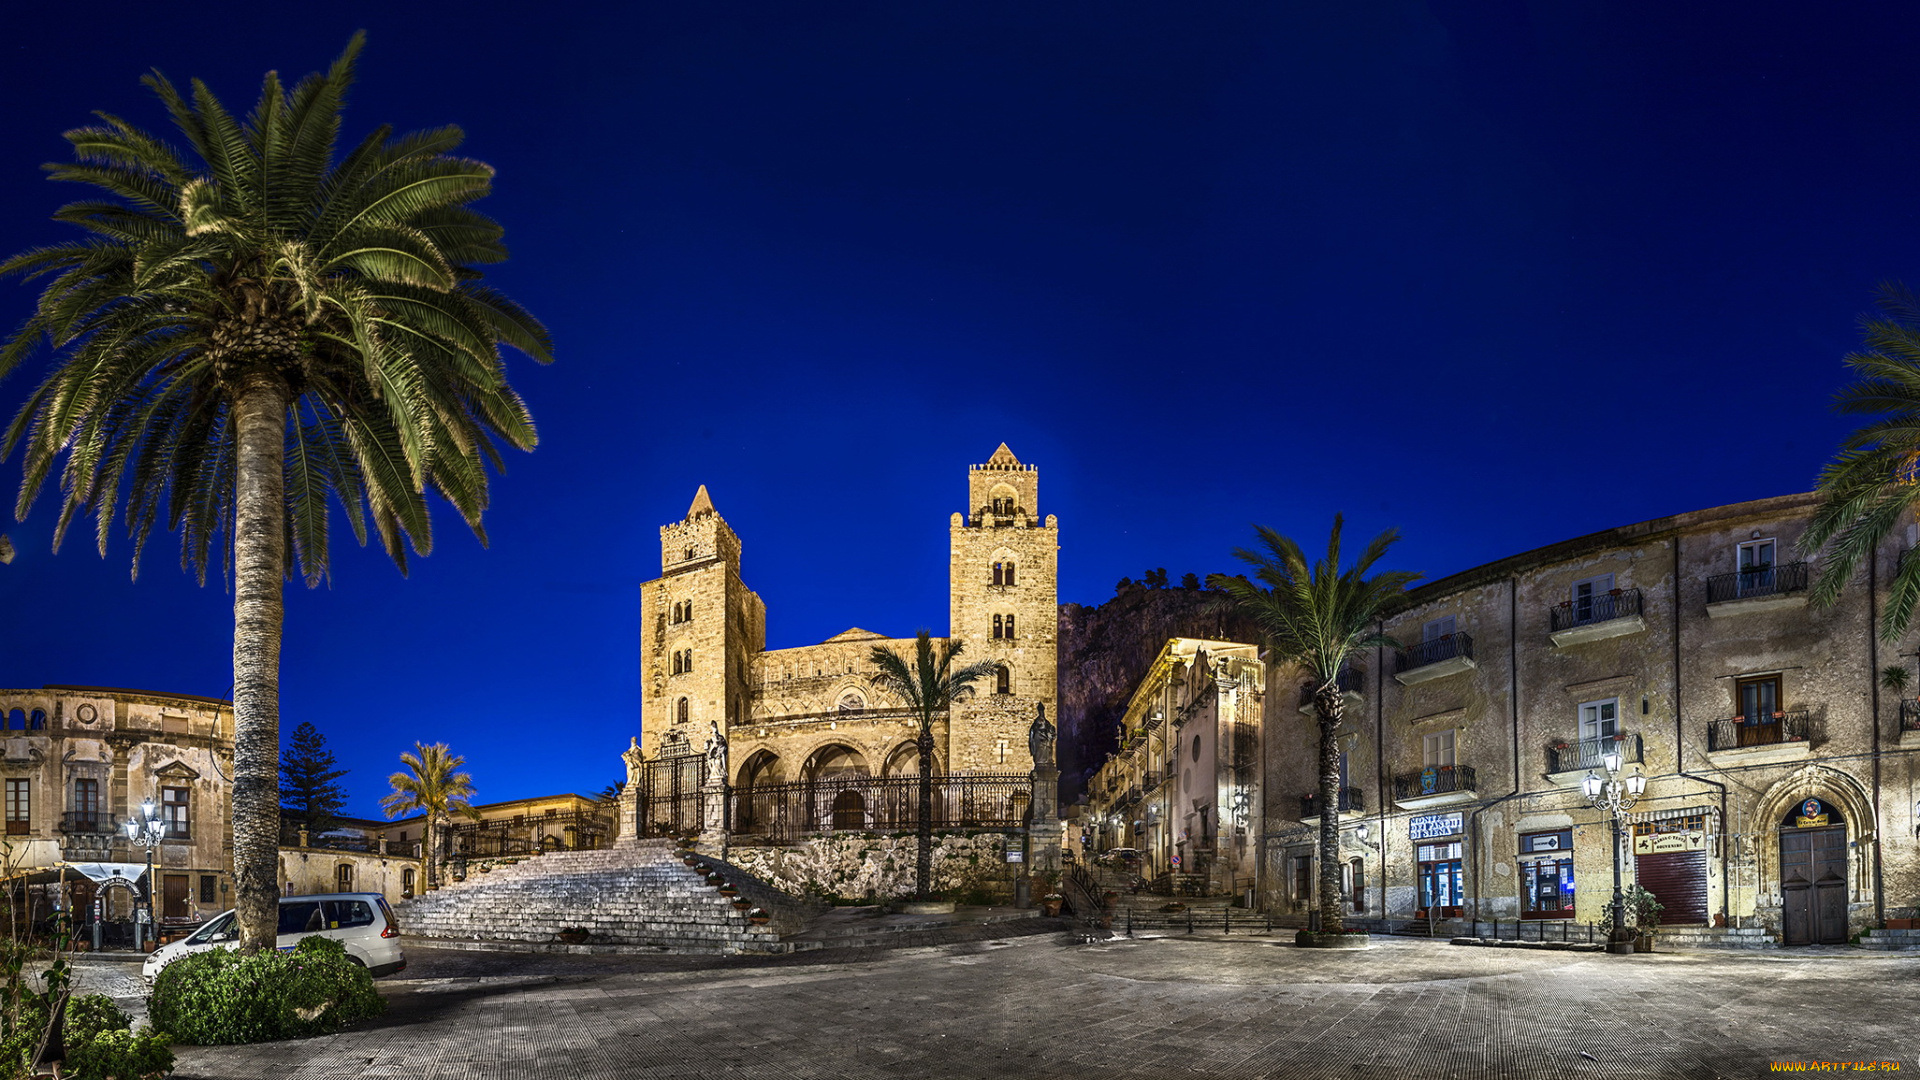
(259, 568)
(1327, 702)
(923, 858)
(429, 854)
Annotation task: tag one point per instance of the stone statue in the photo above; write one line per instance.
(1041, 737)
(633, 759)
(716, 754)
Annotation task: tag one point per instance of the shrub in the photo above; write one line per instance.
(218, 996)
(119, 1054)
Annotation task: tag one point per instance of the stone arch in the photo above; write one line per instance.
(17, 720)
(1834, 787)
(850, 696)
(760, 766)
(904, 760)
(835, 757)
(37, 720)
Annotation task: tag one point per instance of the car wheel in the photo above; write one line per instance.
(357, 962)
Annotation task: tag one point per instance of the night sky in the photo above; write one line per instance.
(1496, 274)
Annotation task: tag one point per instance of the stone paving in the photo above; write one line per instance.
(1153, 1007)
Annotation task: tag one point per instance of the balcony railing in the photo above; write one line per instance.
(1453, 645)
(87, 821)
(1909, 714)
(1757, 582)
(1153, 780)
(1438, 780)
(1598, 608)
(1349, 800)
(1785, 726)
(1349, 681)
(1589, 753)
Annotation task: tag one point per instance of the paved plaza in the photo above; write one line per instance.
(1157, 1007)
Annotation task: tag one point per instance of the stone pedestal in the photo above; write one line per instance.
(1045, 832)
(713, 817)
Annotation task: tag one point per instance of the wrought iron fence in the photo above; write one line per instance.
(1441, 648)
(1757, 581)
(1598, 608)
(1785, 726)
(780, 813)
(670, 795)
(1434, 780)
(87, 821)
(1588, 753)
(1349, 800)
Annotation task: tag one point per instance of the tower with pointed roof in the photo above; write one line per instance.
(700, 628)
(1004, 605)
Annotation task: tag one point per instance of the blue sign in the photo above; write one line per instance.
(1432, 826)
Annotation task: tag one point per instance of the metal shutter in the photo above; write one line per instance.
(1678, 879)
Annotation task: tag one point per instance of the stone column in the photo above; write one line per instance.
(713, 815)
(1045, 832)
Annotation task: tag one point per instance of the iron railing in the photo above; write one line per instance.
(1758, 581)
(1909, 714)
(780, 813)
(1441, 648)
(1784, 726)
(1434, 780)
(1349, 800)
(671, 799)
(87, 821)
(1349, 681)
(1598, 608)
(1153, 780)
(1588, 753)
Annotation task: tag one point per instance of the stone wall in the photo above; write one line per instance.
(881, 867)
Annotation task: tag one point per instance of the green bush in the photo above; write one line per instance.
(218, 996)
(118, 1054)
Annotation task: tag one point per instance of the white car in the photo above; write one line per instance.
(361, 921)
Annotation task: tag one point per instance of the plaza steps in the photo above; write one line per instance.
(1713, 937)
(637, 896)
(1890, 940)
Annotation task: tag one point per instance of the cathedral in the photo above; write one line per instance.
(810, 713)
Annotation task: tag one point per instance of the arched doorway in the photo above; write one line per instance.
(1813, 875)
(849, 811)
(754, 808)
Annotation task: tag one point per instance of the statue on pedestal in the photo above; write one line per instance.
(716, 755)
(1041, 737)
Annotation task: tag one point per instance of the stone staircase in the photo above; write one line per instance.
(635, 896)
(1889, 940)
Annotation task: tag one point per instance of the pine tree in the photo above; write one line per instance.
(309, 795)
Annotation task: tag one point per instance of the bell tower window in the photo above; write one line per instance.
(996, 628)
(1009, 627)
(1009, 573)
(1002, 680)
(680, 711)
(996, 575)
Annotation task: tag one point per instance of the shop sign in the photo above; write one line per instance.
(1432, 826)
(1813, 815)
(1663, 842)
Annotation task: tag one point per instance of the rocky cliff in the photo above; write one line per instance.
(1104, 652)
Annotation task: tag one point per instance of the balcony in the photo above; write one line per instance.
(1595, 618)
(1435, 785)
(1350, 800)
(87, 821)
(1429, 660)
(1780, 737)
(1351, 681)
(1764, 588)
(1153, 781)
(1569, 762)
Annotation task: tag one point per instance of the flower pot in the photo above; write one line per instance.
(1050, 908)
(1643, 943)
(742, 906)
(690, 860)
(728, 890)
(758, 917)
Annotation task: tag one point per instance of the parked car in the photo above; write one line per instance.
(361, 921)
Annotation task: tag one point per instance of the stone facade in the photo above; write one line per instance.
(1184, 788)
(809, 712)
(1687, 645)
(306, 871)
(79, 760)
(882, 867)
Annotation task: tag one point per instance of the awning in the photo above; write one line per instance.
(120, 872)
(1710, 812)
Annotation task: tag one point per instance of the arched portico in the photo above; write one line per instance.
(1815, 870)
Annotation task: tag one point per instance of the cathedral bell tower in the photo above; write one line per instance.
(700, 628)
(1004, 605)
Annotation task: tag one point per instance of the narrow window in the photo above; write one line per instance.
(1010, 580)
(687, 664)
(996, 575)
(19, 814)
(343, 875)
(1599, 730)
(1003, 680)
(681, 713)
(996, 627)
(206, 888)
(676, 661)
(1436, 750)
(173, 811)
(406, 882)
(1756, 568)
(1009, 627)
(1593, 600)
(686, 611)
(86, 803)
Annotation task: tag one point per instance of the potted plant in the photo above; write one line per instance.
(742, 904)
(1050, 904)
(759, 916)
(1644, 910)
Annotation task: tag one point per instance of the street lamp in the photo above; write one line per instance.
(147, 831)
(1616, 797)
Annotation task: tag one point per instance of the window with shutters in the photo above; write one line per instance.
(19, 806)
(173, 811)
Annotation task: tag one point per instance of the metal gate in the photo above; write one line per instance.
(1678, 879)
(670, 795)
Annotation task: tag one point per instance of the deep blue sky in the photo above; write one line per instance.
(1496, 274)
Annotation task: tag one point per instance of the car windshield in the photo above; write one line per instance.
(219, 924)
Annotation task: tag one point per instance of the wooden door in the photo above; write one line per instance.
(1813, 886)
(174, 896)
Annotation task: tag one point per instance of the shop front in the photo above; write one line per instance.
(1546, 875)
(1439, 842)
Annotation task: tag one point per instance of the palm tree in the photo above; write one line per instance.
(435, 791)
(1874, 482)
(1319, 617)
(928, 685)
(250, 328)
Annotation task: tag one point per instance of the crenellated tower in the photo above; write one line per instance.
(700, 627)
(1004, 604)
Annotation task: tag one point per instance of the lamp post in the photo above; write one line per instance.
(147, 831)
(1616, 797)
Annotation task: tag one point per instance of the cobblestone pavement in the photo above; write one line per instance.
(1154, 1007)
